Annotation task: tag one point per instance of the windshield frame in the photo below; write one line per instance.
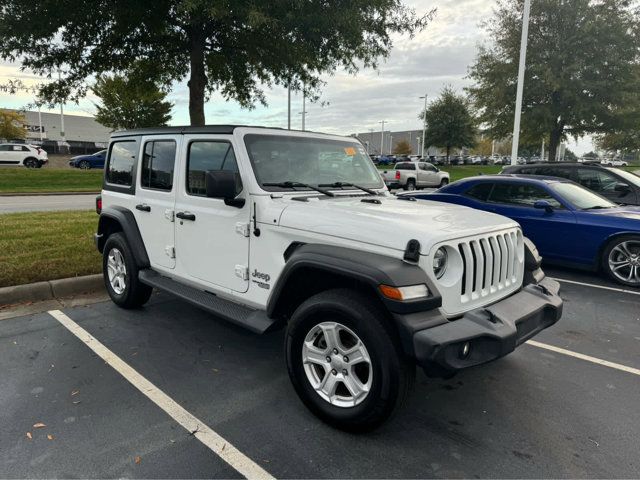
(346, 141)
(562, 195)
(627, 176)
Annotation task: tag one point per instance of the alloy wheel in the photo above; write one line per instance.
(624, 261)
(337, 364)
(117, 271)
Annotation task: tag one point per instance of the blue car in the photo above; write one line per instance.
(569, 224)
(89, 161)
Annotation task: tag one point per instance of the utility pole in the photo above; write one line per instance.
(304, 108)
(289, 106)
(542, 151)
(493, 148)
(62, 134)
(382, 138)
(521, 66)
(40, 122)
(424, 125)
(390, 144)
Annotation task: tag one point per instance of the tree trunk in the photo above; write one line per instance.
(554, 140)
(448, 149)
(198, 79)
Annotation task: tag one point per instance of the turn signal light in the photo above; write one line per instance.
(411, 292)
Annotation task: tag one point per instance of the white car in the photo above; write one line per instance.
(614, 163)
(269, 229)
(21, 154)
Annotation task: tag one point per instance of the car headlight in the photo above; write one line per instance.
(440, 262)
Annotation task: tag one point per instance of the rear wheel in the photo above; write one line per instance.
(411, 185)
(621, 260)
(344, 362)
(120, 274)
(444, 182)
(85, 165)
(30, 162)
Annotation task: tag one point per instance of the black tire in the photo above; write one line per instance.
(135, 293)
(392, 372)
(444, 182)
(411, 185)
(84, 165)
(30, 162)
(633, 247)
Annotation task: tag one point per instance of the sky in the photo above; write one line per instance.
(437, 57)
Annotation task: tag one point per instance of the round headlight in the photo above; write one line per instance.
(440, 262)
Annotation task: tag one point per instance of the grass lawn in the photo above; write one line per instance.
(41, 180)
(456, 172)
(46, 246)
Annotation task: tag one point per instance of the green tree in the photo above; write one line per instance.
(449, 122)
(130, 102)
(12, 125)
(403, 147)
(234, 47)
(581, 58)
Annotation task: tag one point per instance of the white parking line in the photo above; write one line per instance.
(218, 445)
(603, 287)
(587, 358)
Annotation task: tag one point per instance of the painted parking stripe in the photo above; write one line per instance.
(603, 287)
(217, 444)
(587, 358)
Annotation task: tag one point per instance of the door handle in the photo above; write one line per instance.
(186, 216)
(143, 207)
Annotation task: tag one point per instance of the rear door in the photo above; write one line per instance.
(156, 196)
(5, 155)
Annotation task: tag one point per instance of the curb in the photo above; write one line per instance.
(51, 289)
(45, 194)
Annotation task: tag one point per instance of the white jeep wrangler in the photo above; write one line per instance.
(268, 228)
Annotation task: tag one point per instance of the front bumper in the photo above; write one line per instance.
(488, 333)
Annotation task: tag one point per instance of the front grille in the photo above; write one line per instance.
(490, 264)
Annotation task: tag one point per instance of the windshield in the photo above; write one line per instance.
(628, 176)
(314, 161)
(580, 197)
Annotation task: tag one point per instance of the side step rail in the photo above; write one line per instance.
(254, 320)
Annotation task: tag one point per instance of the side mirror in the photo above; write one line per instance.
(621, 187)
(543, 205)
(225, 185)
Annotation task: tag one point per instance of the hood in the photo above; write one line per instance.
(390, 223)
(628, 212)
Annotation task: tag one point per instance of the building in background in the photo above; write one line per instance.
(82, 133)
(372, 141)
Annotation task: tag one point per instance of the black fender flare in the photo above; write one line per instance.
(369, 268)
(129, 227)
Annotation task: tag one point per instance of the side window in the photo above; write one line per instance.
(5, 148)
(480, 191)
(17, 148)
(521, 194)
(122, 162)
(596, 180)
(206, 156)
(25, 149)
(422, 166)
(158, 163)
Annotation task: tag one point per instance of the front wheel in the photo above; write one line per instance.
(120, 273)
(444, 182)
(621, 260)
(85, 165)
(345, 362)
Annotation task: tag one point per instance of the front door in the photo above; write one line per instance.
(155, 195)
(212, 242)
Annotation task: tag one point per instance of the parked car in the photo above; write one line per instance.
(22, 154)
(614, 163)
(95, 160)
(385, 160)
(413, 175)
(569, 224)
(261, 227)
(617, 185)
(477, 160)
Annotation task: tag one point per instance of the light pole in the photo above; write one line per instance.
(424, 125)
(382, 138)
(542, 151)
(521, 66)
(304, 108)
(289, 106)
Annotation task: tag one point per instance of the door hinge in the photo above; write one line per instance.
(170, 251)
(170, 215)
(242, 229)
(242, 272)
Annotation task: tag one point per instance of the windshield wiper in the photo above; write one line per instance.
(289, 184)
(347, 184)
(596, 207)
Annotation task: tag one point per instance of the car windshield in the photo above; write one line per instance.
(313, 161)
(580, 197)
(628, 176)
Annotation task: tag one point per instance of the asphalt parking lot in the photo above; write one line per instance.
(539, 412)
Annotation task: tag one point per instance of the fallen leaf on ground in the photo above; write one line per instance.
(77, 402)
(39, 425)
(50, 437)
(75, 392)
(29, 436)
(138, 460)
(215, 370)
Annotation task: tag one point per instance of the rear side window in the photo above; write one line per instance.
(122, 162)
(205, 157)
(158, 164)
(405, 166)
(480, 191)
(521, 194)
